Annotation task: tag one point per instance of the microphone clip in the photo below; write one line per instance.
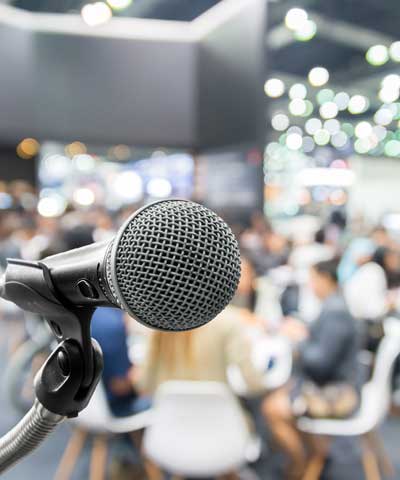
(67, 380)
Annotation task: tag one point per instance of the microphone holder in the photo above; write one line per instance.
(67, 380)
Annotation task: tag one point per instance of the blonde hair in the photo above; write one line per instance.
(175, 352)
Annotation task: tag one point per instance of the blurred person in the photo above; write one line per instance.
(9, 247)
(369, 293)
(272, 252)
(380, 236)
(325, 382)
(304, 255)
(108, 327)
(245, 296)
(252, 238)
(103, 226)
(202, 354)
(298, 298)
(359, 251)
(30, 240)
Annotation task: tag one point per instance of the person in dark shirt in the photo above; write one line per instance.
(108, 328)
(325, 358)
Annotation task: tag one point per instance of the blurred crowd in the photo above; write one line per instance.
(322, 286)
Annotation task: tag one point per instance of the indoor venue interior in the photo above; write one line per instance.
(224, 177)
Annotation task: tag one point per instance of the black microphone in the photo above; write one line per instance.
(174, 265)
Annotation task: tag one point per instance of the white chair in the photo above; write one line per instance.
(98, 421)
(198, 430)
(275, 348)
(375, 404)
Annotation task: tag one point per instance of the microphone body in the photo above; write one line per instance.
(174, 265)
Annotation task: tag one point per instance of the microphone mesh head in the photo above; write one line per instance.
(174, 265)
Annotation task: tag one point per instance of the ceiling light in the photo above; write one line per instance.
(358, 104)
(298, 90)
(342, 100)
(328, 110)
(377, 55)
(297, 107)
(295, 18)
(306, 31)
(339, 139)
(274, 87)
(294, 141)
(394, 51)
(312, 125)
(383, 116)
(119, 4)
(94, 14)
(388, 95)
(318, 76)
(322, 137)
(363, 130)
(332, 125)
(280, 122)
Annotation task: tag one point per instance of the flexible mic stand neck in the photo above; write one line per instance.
(67, 380)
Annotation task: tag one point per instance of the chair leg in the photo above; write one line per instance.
(369, 460)
(376, 444)
(98, 461)
(153, 472)
(315, 467)
(229, 476)
(71, 455)
(316, 464)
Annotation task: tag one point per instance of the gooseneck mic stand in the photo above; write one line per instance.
(66, 382)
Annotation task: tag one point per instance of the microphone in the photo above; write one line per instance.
(173, 266)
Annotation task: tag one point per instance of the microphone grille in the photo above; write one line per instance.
(174, 265)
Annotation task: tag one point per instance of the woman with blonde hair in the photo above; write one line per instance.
(202, 354)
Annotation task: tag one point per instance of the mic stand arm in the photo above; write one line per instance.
(67, 380)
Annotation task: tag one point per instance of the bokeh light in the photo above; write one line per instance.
(294, 141)
(312, 125)
(295, 18)
(119, 4)
(306, 31)
(28, 148)
(318, 76)
(51, 205)
(298, 90)
(159, 188)
(394, 51)
(342, 100)
(358, 104)
(84, 196)
(280, 122)
(297, 107)
(97, 13)
(328, 110)
(363, 130)
(377, 55)
(325, 95)
(274, 87)
(322, 137)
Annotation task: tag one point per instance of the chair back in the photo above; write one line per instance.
(97, 416)
(376, 395)
(198, 430)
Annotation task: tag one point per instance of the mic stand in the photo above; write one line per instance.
(66, 382)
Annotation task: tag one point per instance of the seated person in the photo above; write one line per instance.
(326, 369)
(109, 329)
(201, 354)
(370, 293)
